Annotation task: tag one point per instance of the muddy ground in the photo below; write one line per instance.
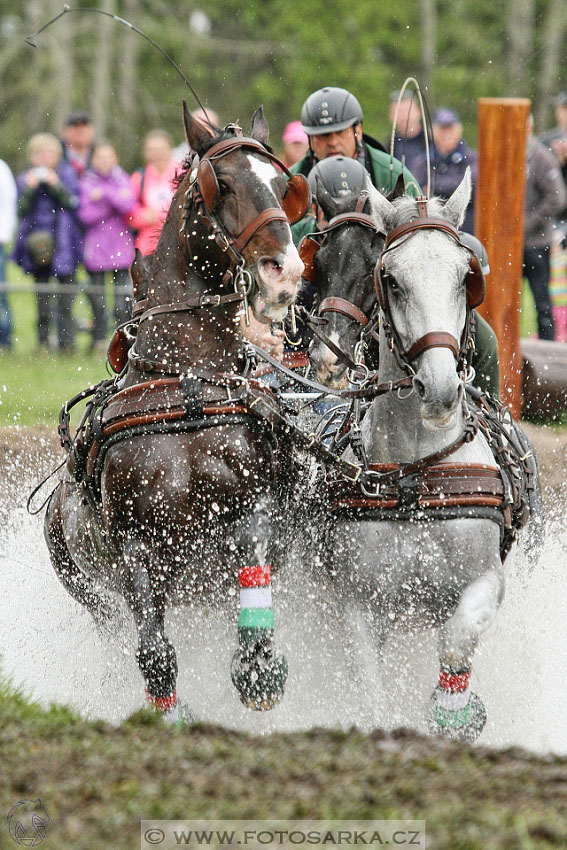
(98, 781)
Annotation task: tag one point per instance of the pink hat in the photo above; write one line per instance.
(294, 133)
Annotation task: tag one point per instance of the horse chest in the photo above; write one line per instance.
(405, 564)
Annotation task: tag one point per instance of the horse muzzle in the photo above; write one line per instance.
(328, 371)
(440, 402)
(278, 278)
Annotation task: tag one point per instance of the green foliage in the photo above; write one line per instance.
(270, 51)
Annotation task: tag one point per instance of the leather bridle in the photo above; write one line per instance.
(204, 192)
(475, 284)
(335, 304)
(203, 195)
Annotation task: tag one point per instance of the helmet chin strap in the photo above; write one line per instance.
(358, 143)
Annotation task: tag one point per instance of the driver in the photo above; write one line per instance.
(340, 176)
(332, 119)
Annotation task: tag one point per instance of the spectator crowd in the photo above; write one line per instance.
(74, 205)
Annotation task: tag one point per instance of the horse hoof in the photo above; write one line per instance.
(259, 678)
(464, 724)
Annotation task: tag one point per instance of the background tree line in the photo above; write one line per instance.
(239, 54)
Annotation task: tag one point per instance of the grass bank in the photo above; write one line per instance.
(33, 386)
(97, 781)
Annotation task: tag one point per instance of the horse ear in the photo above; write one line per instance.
(399, 189)
(260, 130)
(325, 200)
(140, 272)
(457, 204)
(196, 133)
(381, 207)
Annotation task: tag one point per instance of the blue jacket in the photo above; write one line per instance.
(53, 210)
(446, 174)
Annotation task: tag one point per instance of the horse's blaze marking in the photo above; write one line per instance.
(256, 610)
(265, 172)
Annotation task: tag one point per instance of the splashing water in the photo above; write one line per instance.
(51, 648)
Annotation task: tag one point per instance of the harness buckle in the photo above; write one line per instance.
(243, 283)
(358, 469)
(365, 480)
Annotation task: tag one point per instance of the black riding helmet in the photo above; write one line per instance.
(478, 250)
(339, 175)
(330, 110)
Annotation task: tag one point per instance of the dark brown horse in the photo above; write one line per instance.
(178, 495)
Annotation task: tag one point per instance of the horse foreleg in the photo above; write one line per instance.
(258, 673)
(155, 654)
(457, 712)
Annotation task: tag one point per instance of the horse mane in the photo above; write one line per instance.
(405, 209)
(346, 203)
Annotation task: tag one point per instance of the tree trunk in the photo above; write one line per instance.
(551, 73)
(428, 13)
(128, 94)
(100, 100)
(520, 26)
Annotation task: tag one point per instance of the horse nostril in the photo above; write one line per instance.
(420, 387)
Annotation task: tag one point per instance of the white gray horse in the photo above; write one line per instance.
(444, 573)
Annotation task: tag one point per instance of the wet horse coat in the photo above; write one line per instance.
(446, 572)
(184, 508)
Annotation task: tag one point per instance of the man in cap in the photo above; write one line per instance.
(77, 139)
(449, 159)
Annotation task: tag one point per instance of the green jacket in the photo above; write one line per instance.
(384, 174)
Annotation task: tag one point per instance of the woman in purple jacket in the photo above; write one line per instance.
(49, 242)
(106, 201)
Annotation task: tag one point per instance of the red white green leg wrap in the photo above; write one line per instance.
(256, 617)
(452, 696)
(167, 706)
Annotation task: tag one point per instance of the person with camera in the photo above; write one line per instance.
(49, 243)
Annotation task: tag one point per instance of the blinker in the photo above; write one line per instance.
(295, 201)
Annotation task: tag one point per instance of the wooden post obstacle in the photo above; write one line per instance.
(499, 217)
